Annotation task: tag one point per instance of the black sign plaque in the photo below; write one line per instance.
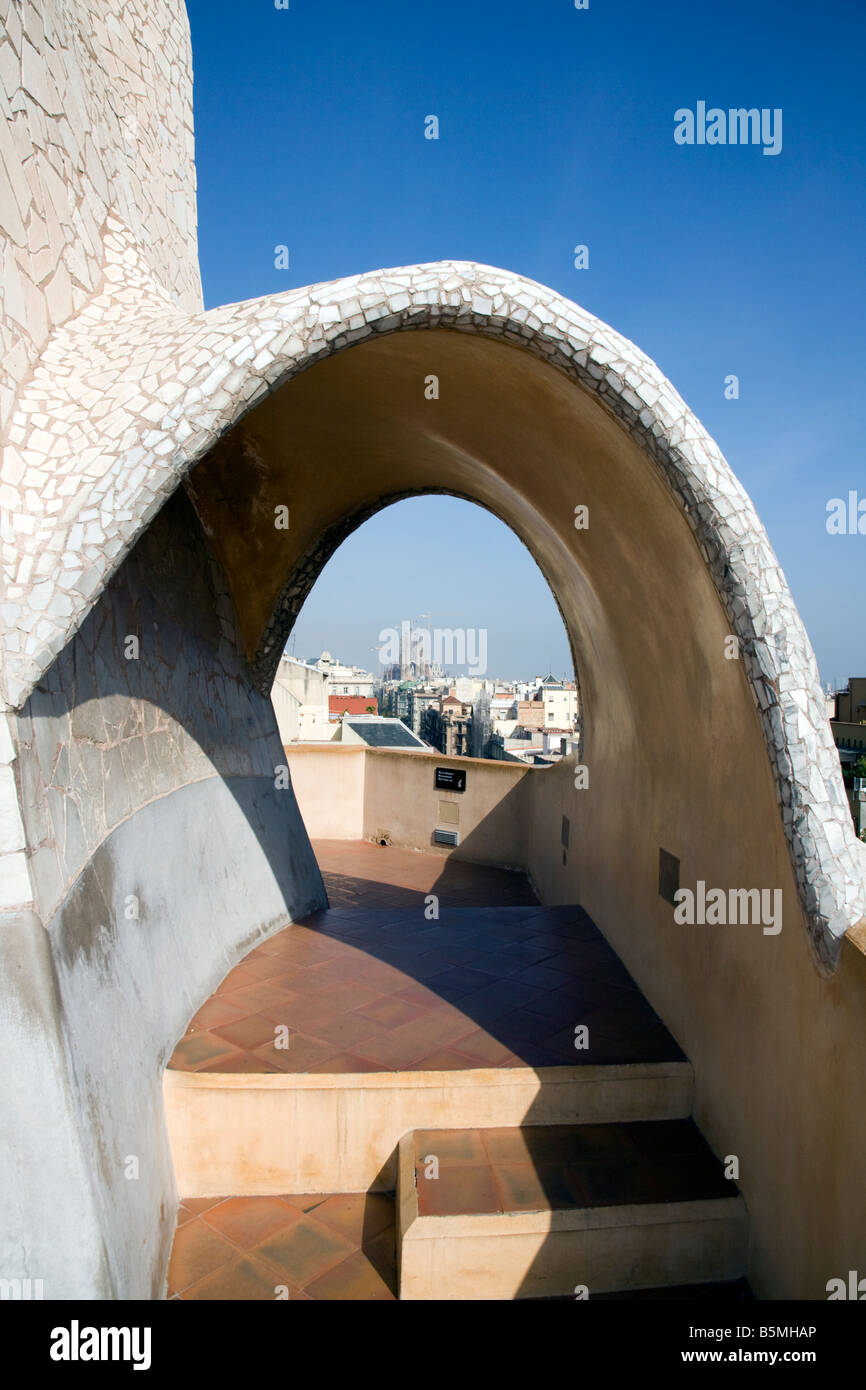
(450, 779)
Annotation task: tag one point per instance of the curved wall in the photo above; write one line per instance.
(178, 385)
(650, 637)
(163, 848)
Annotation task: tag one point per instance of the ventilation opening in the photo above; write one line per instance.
(446, 837)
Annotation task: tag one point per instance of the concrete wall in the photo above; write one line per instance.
(329, 783)
(352, 793)
(779, 1051)
(162, 850)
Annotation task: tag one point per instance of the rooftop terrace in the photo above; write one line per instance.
(494, 982)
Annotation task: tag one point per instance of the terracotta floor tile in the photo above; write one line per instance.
(249, 1220)
(343, 994)
(345, 1064)
(241, 1280)
(246, 973)
(690, 1179)
(454, 984)
(509, 978)
(197, 1205)
(197, 1251)
(453, 1147)
(526, 1027)
(392, 1053)
(299, 1015)
(536, 1187)
(544, 977)
(253, 998)
(438, 1028)
(347, 1030)
(275, 945)
(508, 1145)
(558, 1008)
(458, 1190)
(307, 1201)
(419, 994)
(242, 1063)
(391, 1011)
(198, 1049)
(302, 1053)
(444, 1059)
(358, 1216)
(354, 966)
(214, 1013)
(353, 1278)
(658, 1137)
(304, 1251)
(617, 1184)
(247, 1033)
(484, 1048)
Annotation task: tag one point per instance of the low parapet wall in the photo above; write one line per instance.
(355, 793)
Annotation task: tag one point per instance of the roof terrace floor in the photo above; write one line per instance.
(390, 979)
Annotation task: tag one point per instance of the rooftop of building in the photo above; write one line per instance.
(380, 731)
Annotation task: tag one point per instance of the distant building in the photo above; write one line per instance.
(447, 725)
(419, 700)
(346, 680)
(848, 725)
(300, 699)
(339, 705)
(560, 703)
(397, 698)
(482, 727)
(309, 697)
(503, 705)
(530, 713)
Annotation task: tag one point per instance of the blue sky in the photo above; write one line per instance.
(556, 128)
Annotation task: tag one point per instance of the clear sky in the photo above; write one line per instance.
(556, 128)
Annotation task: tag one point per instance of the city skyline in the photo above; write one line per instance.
(506, 593)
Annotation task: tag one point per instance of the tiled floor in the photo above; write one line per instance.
(260, 1248)
(556, 1167)
(358, 874)
(375, 985)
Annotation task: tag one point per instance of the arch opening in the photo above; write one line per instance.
(672, 564)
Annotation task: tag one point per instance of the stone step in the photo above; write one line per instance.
(546, 1211)
(338, 1132)
(395, 1023)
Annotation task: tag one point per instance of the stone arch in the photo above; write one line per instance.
(117, 395)
(210, 375)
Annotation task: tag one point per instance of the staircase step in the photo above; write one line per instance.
(467, 1020)
(541, 1210)
(318, 1132)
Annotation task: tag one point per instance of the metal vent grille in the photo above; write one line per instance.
(446, 837)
